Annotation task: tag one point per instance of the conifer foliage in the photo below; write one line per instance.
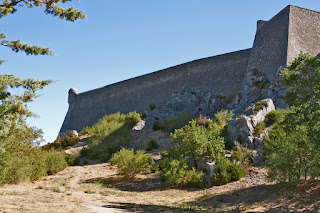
(20, 157)
(52, 7)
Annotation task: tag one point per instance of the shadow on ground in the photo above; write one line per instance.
(304, 197)
(151, 183)
(130, 207)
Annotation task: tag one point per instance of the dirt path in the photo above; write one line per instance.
(98, 188)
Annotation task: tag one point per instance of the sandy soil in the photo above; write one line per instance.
(98, 188)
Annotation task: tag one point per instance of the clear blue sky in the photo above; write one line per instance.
(123, 39)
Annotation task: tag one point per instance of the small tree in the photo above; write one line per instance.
(196, 141)
(293, 146)
(20, 159)
(302, 77)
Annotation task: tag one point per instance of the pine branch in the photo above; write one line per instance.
(69, 14)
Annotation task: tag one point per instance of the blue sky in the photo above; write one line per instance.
(123, 39)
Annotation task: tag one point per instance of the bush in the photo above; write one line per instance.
(152, 106)
(55, 162)
(262, 103)
(276, 116)
(220, 122)
(143, 115)
(243, 156)
(63, 143)
(131, 163)
(109, 134)
(226, 171)
(198, 142)
(153, 144)
(104, 157)
(261, 126)
(30, 164)
(177, 173)
(22, 165)
(171, 123)
(156, 126)
(71, 161)
(257, 108)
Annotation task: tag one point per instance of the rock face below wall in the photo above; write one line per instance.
(193, 102)
(242, 129)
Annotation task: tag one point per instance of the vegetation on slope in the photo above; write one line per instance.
(179, 165)
(109, 134)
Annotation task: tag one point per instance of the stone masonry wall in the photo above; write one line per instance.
(269, 50)
(277, 42)
(304, 32)
(221, 74)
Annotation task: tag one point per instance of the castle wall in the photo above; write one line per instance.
(277, 42)
(269, 50)
(221, 74)
(304, 32)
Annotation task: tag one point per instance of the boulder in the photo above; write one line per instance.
(66, 133)
(140, 125)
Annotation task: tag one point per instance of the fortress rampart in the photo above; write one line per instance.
(277, 42)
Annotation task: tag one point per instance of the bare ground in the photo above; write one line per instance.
(98, 188)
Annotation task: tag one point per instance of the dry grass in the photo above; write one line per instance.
(201, 120)
(99, 188)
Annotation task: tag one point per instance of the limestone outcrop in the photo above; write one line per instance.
(243, 128)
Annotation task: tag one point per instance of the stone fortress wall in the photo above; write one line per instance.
(277, 42)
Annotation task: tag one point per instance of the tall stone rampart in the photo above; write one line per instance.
(277, 42)
(221, 74)
(270, 45)
(304, 32)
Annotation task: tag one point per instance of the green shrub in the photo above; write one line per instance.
(85, 162)
(104, 157)
(177, 173)
(198, 142)
(77, 161)
(30, 165)
(261, 126)
(171, 123)
(26, 165)
(257, 108)
(242, 155)
(131, 163)
(55, 162)
(220, 122)
(152, 106)
(226, 171)
(143, 115)
(276, 116)
(152, 144)
(70, 160)
(156, 126)
(259, 105)
(109, 134)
